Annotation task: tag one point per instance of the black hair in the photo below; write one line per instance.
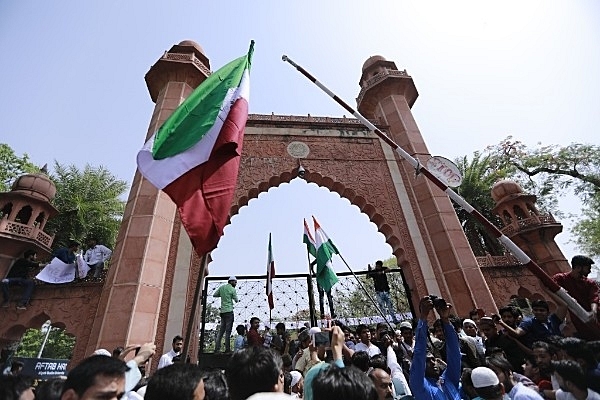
(117, 351)
(509, 309)
(343, 383)
(379, 361)
(577, 348)
(360, 328)
(303, 336)
(240, 329)
(379, 262)
(287, 382)
(50, 389)
(571, 371)
(544, 345)
(84, 375)
(361, 360)
(280, 325)
(215, 385)
(254, 319)
(11, 387)
(539, 303)
(176, 381)
(581, 261)
(499, 362)
(73, 243)
(252, 370)
(177, 338)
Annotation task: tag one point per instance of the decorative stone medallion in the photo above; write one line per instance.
(298, 149)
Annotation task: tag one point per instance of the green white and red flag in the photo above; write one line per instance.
(270, 275)
(326, 277)
(308, 239)
(194, 157)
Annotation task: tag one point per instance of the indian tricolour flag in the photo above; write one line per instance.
(326, 277)
(307, 239)
(194, 156)
(270, 275)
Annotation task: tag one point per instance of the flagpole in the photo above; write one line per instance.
(572, 304)
(361, 284)
(187, 339)
(311, 294)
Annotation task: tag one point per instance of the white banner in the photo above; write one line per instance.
(60, 272)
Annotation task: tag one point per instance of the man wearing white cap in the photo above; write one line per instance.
(228, 296)
(486, 384)
(297, 383)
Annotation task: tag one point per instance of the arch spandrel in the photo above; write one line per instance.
(351, 165)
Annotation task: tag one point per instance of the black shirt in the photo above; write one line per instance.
(380, 280)
(21, 267)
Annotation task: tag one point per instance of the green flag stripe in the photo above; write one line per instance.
(197, 114)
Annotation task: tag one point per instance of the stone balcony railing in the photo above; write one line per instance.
(378, 78)
(528, 223)
(187, 57)
(25, 231)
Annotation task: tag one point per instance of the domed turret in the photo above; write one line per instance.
(37, 185)
(505, 190)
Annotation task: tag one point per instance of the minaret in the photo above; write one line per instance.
(531, 230)
(144, 297)
(387, 96)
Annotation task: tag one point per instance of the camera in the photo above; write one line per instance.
(438, 302)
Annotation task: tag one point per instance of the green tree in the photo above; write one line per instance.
(587, 230)
(549, 171)
(479, 175)
(59, 344)
(89, 203)
(13, 166)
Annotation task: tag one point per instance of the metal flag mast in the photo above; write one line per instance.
(575, 307)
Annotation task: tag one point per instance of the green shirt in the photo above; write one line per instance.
(228, 295)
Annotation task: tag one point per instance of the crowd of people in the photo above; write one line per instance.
(437, 356)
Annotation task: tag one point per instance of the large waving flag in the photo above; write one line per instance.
(311, 246)
(270, 275)
(326, 277)
(195, 155)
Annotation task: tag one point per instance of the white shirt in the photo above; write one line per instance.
(371, 349)
(97, 254)
(166, 359)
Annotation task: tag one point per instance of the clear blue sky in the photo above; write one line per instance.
(72, 88)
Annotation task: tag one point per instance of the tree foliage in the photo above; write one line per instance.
(59, 344)
(479, 175)
(548, 171)
(89, 204)
(13, 166)
(545, 171)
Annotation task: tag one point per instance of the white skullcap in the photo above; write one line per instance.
(469, 321)
(102, 352)
(483, 377)
(406, 325)
(296, 376)
(232, 278)
(270, 396)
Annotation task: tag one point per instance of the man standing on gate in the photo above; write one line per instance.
(382, 289)
(228, 296)
(95, 256)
